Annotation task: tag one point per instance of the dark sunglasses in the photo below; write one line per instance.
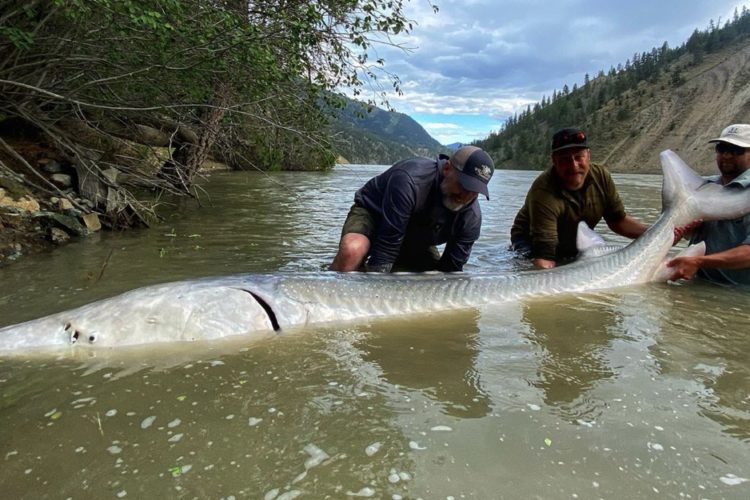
(725, 147)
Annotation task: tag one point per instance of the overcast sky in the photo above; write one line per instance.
(476, 62)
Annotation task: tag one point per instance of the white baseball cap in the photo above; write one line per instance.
(737, 134)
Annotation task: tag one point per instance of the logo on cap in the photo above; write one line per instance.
(484, 172)
(737, 134)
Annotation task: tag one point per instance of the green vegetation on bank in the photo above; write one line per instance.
(618, 107)
(144, 92)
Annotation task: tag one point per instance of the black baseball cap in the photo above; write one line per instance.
(475, 169)
(569, 138)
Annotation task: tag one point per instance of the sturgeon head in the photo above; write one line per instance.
(190, 310)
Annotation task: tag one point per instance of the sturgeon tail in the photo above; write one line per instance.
(692, 197)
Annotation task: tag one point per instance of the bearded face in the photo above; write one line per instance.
(571, 166)
(455, 197)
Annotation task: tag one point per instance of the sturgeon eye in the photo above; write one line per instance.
(92, 338)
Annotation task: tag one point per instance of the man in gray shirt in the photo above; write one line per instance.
(399, 216)
(727, 258)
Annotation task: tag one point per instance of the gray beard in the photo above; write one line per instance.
(447, 202)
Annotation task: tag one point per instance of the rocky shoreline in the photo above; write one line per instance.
(29, 223)
(37, 220)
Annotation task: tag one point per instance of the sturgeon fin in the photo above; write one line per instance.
(590, 244)
(664, 273)
(587, 237)
(679, 179)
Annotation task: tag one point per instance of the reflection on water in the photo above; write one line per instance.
(711, 355)
(638, 392)
(574, 339)
(436, 357)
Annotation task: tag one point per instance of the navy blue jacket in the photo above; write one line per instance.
(407, 205)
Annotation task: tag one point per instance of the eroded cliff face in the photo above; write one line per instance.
(715, 94)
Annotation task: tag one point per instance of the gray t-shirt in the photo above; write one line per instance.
(722, 235)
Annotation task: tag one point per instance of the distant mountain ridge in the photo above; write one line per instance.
(378, 136)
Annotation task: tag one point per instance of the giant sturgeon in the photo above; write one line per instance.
(252, 304)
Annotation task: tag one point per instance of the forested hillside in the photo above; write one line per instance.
(667, 98)
(368, 134)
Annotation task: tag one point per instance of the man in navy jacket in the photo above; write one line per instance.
(399, 216)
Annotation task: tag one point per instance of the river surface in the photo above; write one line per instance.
(640, 392)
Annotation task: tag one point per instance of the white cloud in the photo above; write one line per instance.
(441, 126)
(494, 58)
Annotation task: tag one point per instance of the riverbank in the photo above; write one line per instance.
(34, 220)
(19, 235)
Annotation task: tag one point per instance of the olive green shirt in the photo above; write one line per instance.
(548, 220)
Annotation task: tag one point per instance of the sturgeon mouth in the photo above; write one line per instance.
(267, 308)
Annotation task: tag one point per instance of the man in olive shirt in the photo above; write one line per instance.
(572, 190)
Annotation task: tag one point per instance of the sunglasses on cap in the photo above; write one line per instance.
(725, 147)
(566, 139)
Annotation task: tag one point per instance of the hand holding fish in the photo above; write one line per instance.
(684, 267)
(681, 231)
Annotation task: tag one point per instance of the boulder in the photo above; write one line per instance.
(91, 220)
(61, 180)
(68, 224)
(24, 203)
(64, 204)
(51, 166)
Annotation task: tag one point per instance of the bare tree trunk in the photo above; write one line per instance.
(181, 169)
(184, 165)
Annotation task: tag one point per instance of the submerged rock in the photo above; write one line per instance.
(58, 236)
(68, 224)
